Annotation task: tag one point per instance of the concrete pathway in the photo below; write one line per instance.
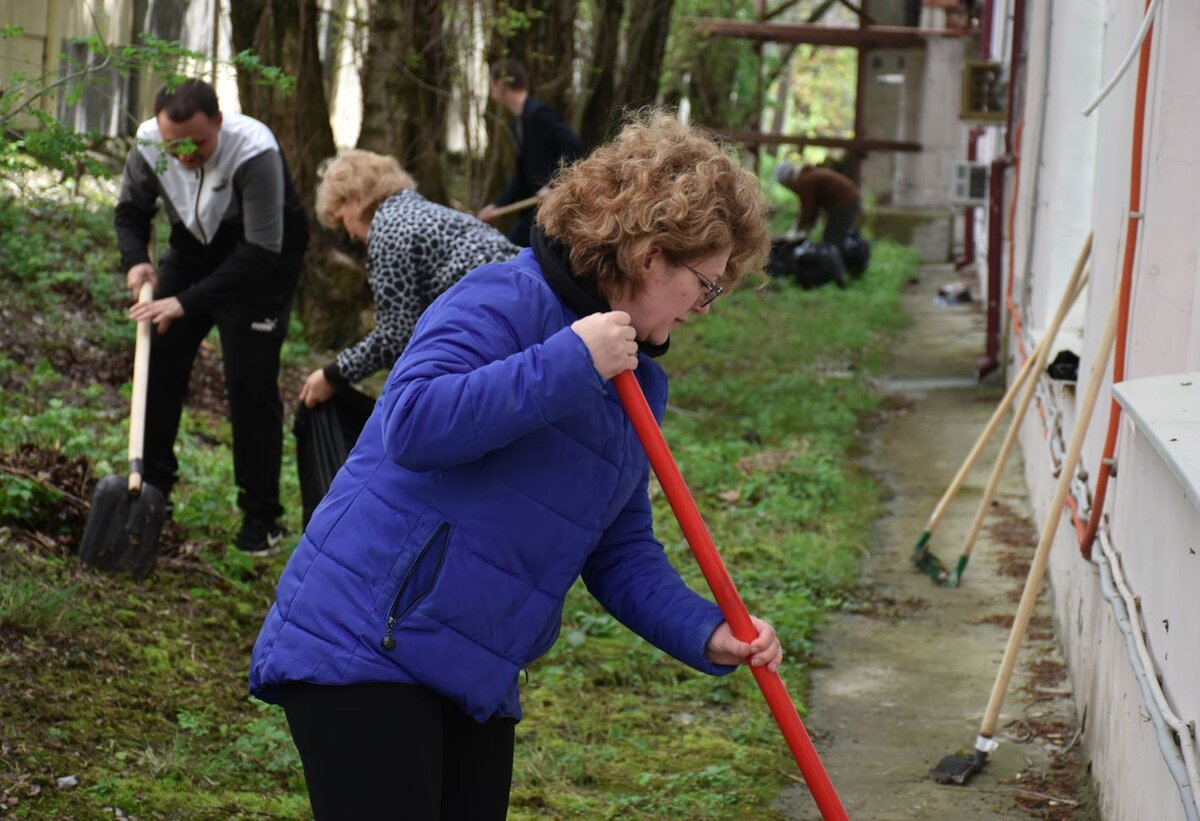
(909, 671)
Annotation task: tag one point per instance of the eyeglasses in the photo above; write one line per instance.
(712, 290)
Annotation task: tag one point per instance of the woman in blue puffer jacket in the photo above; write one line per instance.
(497, 468)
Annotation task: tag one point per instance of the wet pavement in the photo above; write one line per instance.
(906, 676)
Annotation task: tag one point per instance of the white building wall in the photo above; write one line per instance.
(1075, 177)
(1064, 63)
(1164, 287)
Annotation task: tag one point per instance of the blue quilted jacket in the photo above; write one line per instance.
(497, 467)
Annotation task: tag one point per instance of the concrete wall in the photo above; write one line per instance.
(891, 84)
(923, 179)
(913, 95)
(1074, 176)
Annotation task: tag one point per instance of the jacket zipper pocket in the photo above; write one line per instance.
(442, 534)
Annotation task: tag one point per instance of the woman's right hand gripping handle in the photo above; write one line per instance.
(611, 340)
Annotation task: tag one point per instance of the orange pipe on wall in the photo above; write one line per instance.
(1132, 221)
(1014, 311)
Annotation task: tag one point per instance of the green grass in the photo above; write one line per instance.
(138, 690)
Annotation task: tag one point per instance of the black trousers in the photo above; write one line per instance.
(518, 235)
(398, 751)
(840, 222)
(252, 333)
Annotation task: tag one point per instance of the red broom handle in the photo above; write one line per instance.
(731, 604)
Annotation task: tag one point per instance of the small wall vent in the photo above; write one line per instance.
(969, 183)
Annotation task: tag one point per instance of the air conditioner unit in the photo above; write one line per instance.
(969, 183)
(983, 91)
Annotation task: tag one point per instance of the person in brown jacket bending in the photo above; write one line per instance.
(822, 189)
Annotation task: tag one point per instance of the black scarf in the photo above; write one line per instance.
(580, 294)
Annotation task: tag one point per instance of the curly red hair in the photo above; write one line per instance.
(659, 183)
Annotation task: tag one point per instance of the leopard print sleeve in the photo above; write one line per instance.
(415, 250)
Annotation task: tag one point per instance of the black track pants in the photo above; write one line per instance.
(398, 751)
(252, 333)
(839, 223)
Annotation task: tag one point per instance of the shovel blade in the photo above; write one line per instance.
(122, 529)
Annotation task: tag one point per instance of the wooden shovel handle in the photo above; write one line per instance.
(1033, 582)
(519, 205)
(997, 417)
(137, 407)
(1079, 278)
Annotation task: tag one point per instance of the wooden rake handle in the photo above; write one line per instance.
(1037, 569)
(719, 581)
(1075, 285)
(137, 407)
(997, 415)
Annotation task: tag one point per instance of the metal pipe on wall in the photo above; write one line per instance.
(991, 353)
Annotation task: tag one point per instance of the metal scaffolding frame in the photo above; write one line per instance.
(866, 36)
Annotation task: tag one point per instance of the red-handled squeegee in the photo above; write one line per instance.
(726, 594)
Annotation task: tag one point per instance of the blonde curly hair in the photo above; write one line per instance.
(364, 176)
(661, 184)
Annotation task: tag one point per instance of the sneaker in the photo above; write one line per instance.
(259, 538)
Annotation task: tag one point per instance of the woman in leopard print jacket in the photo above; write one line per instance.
(415, 250)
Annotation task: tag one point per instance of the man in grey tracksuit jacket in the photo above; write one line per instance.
(238, 235)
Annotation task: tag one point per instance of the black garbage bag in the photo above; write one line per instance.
(810, 264)
(856, 253)
(1064, 367)
(818, 263)
(324, 436)
(779, 263)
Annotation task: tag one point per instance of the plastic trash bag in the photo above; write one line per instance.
(324, 436)
(810, 264)
(856, 253)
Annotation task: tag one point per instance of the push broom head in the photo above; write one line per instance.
(958, 769)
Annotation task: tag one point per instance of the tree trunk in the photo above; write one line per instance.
(336, 30)
(541, 34)
(646, 43)
(721, 95)
(602, 103)
(405, 89)
(284, 33)
(550, 55)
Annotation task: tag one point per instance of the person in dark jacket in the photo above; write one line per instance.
(415, 250)
(542, 140)
(822, 190)
(499, 466)
(238, 235)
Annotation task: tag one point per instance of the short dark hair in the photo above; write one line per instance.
(510, 72)
(185, 99)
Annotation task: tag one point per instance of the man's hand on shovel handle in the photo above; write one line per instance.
(159, 311)
(137, 275)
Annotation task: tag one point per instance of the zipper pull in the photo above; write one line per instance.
(388, 642)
